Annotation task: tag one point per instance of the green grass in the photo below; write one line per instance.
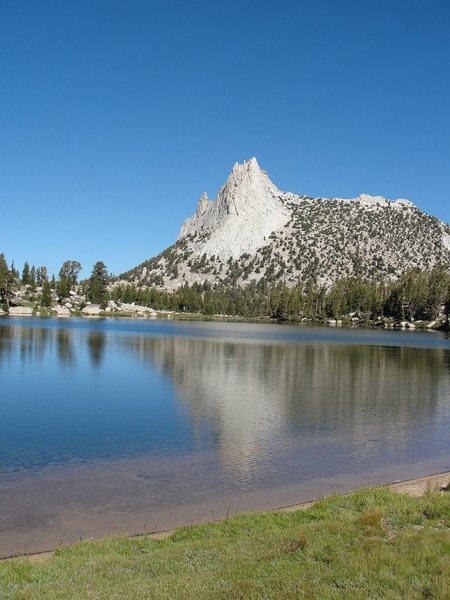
(371, 544)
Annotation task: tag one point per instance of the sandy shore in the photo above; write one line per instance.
(411, 487)
(418, 487)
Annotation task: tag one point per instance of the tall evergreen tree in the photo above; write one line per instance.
(33, 277)
(46, 299)
(7, 280)
(41, 275)
(26, 274)
(15, 273)
(97, 291)
(68, 277)
(447, 302)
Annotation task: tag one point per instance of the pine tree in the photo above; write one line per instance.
(33, 277)
(7, 280)
(15, 273)
(41, 276)
(97, 291)
(26, 274)
(68, 277)
(46, 299)
(447, 303)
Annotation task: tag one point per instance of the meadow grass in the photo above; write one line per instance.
(367, 545)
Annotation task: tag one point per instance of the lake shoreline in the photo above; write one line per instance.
(383, 324)
(413, 487)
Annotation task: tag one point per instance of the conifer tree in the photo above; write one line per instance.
(97, 291)
(6, 281)
(26, 274)
(33, 277)
(15, 273)
(41, 275)
(68, 277)
(46, 299)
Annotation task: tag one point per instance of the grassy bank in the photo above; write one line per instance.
(370, 544)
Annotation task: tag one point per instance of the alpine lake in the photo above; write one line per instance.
(132, 426)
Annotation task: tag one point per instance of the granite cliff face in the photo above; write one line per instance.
(248, 208)
(253, 230)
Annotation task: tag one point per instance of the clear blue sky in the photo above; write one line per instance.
(116, 115)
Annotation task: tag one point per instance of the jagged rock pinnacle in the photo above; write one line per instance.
(247, 209)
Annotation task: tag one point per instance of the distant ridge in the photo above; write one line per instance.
(253, 230)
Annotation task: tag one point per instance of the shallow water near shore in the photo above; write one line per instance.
(131, 426)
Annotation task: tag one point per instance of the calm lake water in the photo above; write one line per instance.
(130, 426)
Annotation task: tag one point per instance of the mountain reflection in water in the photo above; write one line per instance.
(299, 397)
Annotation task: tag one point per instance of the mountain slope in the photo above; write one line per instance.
(254, 230)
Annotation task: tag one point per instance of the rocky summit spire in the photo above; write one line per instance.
(246, 183)
(247, 209)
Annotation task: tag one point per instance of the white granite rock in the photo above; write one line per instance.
(137, 309)
(248, 208)
(91, 310)
(61, 311)
(20, 311)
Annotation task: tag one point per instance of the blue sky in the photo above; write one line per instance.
(116, 115)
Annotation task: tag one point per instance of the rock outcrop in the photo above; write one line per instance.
(20, 311)
(61, 311)
(248, 208)
(91, 310)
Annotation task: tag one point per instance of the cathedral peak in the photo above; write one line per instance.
(247, 209)
(253, 231)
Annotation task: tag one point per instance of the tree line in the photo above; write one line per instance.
(415, 295)
(34, 278)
